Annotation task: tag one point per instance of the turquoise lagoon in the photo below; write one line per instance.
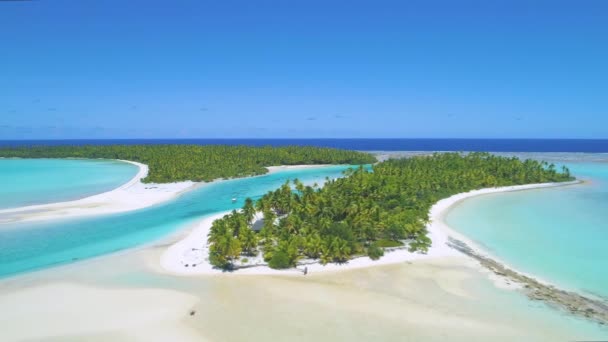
(559, 235)
(35, 181)
(31, 246)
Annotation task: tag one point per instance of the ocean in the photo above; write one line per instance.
(489, 145)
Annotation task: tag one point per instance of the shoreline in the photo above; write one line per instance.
(439, 211)
(420, 296)
(130, 196)
(189, 257)
(192, 249)
(534, 288)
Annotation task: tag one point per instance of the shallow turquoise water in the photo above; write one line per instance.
(36, 181)
(559, 235)
(30, 246)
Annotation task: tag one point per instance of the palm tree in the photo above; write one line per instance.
(313, 246)
(225, 250)
(340, 250)
(249, 242)
(249, 210)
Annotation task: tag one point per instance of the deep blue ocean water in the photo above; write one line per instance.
(489, 145)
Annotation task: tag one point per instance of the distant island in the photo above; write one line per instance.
(175, 163)
(364, 212)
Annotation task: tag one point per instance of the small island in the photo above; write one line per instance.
(363, 213)
(167, 171)
(176, 163)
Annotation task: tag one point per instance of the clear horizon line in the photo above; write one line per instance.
(307, 138)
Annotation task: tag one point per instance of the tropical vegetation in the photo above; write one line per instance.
(364, 212)
(172, 163)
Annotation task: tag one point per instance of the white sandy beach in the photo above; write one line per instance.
(427, 300)
(181, 257)
(130, 196)
(189, 256)
(81, 310)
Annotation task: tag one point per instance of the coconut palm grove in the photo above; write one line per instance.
(364, 212)
(174, 163)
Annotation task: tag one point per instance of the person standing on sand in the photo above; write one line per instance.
(306, 270)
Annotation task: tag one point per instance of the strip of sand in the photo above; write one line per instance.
(427, 300)
(71, 311)
(130, 196)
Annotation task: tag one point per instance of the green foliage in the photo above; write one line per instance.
(313, 245)
(420, 244)
(248, 210)
(268, 247)
(225, 250)
(380, 208)
(172, 163)
(249, 242)
(374, 251)
(338, 250)
(385, 243)
(279, 260)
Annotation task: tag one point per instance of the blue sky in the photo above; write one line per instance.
(224, 69)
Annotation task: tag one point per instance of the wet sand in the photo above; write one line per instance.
(126, 297)
(130, 196)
